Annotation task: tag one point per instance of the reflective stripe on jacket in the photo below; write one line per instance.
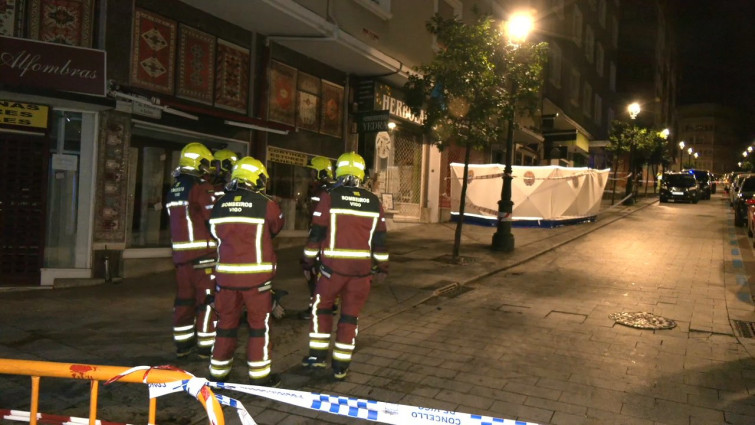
(348, 231)
(189, 202)
(244, 223)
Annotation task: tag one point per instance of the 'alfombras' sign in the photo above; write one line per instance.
(31, 63)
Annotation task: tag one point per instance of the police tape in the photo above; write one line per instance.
(376, 411)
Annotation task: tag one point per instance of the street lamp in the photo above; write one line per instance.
(696, 155)
(634, 110)
(517, 29)
(689, 151)
(681, 155)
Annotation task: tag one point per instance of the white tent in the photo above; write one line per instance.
(546, 195)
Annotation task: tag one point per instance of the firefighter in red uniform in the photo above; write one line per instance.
(222, 166)
(244, 221)
(322, 179)
(189, 202)
(348, 234)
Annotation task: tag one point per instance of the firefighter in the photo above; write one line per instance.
(189, 202)
(349, 255)
(322, 179)
(222, 166)
(244, 221)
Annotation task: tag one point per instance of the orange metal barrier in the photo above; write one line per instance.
(96, 373)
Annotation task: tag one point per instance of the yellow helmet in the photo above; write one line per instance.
(323, 166)
(350, 164)
(195, 158)
(224, 160)
(251, 172)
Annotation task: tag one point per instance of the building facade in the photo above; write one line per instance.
(714, 132)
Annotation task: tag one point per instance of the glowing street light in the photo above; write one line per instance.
(681, 156)
(517, 28)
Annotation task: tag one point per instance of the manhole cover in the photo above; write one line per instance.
(642, 320)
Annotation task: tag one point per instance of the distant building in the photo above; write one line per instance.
(713, 131)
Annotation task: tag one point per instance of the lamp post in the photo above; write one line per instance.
(696, 155)
(689, 151)
(634, 110)
(681, 155)
(517, 28)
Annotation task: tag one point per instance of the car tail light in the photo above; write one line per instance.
(750, 201)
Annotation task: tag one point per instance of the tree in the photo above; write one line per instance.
(625, 137)
(473, 83)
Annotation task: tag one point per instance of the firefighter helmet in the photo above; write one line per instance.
(195, 158)
(250, 172)
(224, 160)
(350, 164)
(323, 166)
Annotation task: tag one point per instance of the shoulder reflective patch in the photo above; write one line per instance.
(317, 213)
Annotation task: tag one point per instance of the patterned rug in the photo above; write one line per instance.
(196, 65)
(61, 21)
(154, 51)
(232, 77)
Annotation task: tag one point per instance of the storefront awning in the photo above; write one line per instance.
(289, 24)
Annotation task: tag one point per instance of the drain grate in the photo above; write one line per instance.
(745, 329)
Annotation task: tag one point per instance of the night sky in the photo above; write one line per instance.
(716, 43)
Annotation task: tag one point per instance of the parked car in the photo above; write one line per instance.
(751, 218)
(705, 180)
(735, 183)
(680, 186)
(744, 196)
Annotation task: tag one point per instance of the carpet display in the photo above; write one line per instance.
(61, 21)
(153, 53)
(196, 65)
(232, 77)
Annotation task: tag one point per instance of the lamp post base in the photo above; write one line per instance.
(503, 241)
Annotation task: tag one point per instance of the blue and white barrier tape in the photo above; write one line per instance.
(377, 411)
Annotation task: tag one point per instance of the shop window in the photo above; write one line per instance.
(291, 184)
(151, 167)
(69, 190)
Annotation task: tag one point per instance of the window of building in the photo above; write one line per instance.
(447, 9)
(587, 99)
(574, 87)
(381, 8)
(602, 13)
(589, 44)
(599, 58)
(558, 8)
(612, 77)
(576, 27)
(614, 32)
(555, 65)
(610, 115)
(598, 110)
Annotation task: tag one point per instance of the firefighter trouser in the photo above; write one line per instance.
(353, 292)
(230, 304)
(193, 319)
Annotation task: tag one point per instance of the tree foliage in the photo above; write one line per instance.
(474, 82)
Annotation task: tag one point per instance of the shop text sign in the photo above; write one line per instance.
(284, 156)
(372, 121)
(37, 64)
(27, 115)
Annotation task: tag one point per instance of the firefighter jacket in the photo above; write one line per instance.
(348, 232)
(189, 203)
(315, 192)
(244, 222)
